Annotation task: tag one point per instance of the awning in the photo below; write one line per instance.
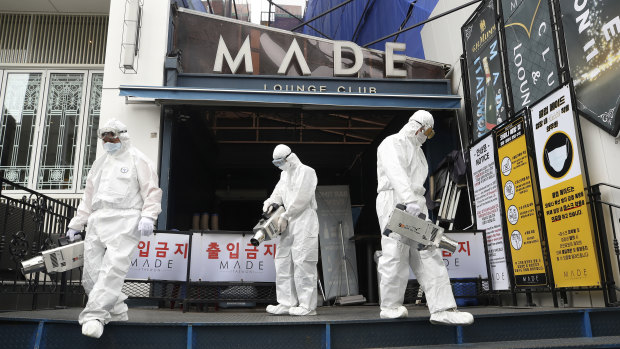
(289, 99)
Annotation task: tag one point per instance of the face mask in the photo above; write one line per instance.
(421, 137)
(415, 130)
(111, 147)
(557, 157)
(285, 166)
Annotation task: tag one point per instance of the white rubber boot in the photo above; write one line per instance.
(278, 309)
(301, 311)
(452, 317)
(92, 328)
(394, 313)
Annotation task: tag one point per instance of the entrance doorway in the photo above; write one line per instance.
(221, 162)
(221, 157)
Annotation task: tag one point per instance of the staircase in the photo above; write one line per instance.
(334, 327)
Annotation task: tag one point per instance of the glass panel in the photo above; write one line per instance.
(90, 142)
(60, 130)
(18, 122)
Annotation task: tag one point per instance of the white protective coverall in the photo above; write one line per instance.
(297, 254)
(401, 173)
(122, 189)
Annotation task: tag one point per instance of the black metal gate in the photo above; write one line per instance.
(28, 225)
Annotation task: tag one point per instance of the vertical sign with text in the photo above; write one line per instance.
(488, 212)
(525, 243)
(486, 80)
(567, 219)
(532, 61)
(592, 36)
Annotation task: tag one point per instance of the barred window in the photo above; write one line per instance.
(92, 123)
(17, 129)
(48, 127)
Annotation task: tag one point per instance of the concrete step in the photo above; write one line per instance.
(333, 327)
(575, 342)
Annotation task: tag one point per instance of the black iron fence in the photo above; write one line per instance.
(199, 295)
(31, 222)
(610, 288)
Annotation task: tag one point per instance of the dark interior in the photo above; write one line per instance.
(221, 159)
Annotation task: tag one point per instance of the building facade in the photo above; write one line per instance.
(64, 73)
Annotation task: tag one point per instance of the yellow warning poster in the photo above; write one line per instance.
(567, 216)
(518, 195)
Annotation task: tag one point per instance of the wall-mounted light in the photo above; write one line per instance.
(131, 36)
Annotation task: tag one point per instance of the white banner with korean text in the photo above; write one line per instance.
(231, 257)
(468, 261)
(160, 257)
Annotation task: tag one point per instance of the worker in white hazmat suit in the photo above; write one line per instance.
(401, 173)
(297, 253)
(121, 202)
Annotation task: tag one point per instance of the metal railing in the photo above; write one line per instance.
(29, 225)
(31, 222)
(610, 288)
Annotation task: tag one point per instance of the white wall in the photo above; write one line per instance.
(442, 43)
(142, 120)
(442, 37)
(603, 159)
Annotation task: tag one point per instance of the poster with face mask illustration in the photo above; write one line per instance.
(518, 194)
(567, 216)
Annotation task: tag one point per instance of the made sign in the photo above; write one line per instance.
(216, 45)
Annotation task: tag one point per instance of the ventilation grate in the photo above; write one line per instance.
(52, 39)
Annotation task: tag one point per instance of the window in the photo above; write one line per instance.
(48, 128)
(19, 119)
(60, 131)
(92, 123)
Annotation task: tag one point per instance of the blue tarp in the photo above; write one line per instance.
(381, 18)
